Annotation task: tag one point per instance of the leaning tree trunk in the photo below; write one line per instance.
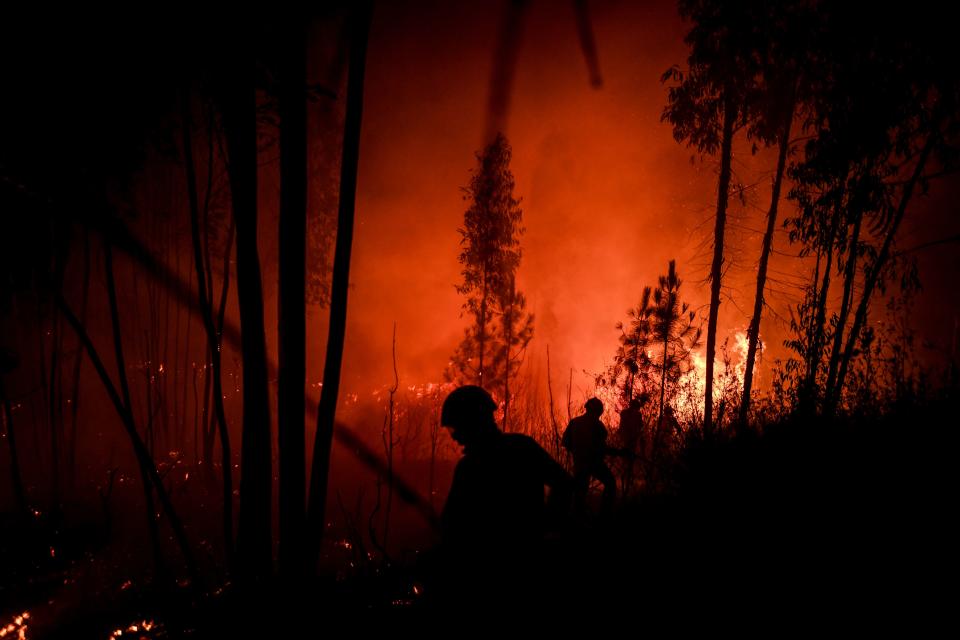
(326, 411)
(291, 330)
(148, 470)
(127, 406)
(817, 336)
(206, 312)
(849, 276)
(723, 189)
(75, 398)
(753, 333)
(874, 274)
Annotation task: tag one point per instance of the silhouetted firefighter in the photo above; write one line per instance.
(496, 514)
(631, 427)
(586, 440)
(633, 439)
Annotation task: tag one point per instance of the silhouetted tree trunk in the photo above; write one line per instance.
(716, 270)
(873, 276)
(817, 336)
(291, 330)
(205, 435)
(482, 331)
(663, 377)
(78, 362)
(56, 387)
(753, 332)
(206, 311)
(557, 447)
(239, 114)
(508, 340)
(190, 365)
(15, 476)
(126, 410)
(148, 470)
(849, 276)
(326, 411)
(390, 443)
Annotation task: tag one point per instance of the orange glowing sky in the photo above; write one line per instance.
(608, 196)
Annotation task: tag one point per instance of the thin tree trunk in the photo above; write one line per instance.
(56, 385)
(148, 378)
(239, 112)
(390, 442)
(125, 406)
(814, 348)
(206, 447)
(208, 422)
(326, 411)
(874, 274)
(291, 312)
(849, 276)
(663, 378)
(178, 410)
(163, 369)
(753, 332)
(508, 338)
(41, 417)
(197, 459)
(553, 416)
(75, 399)
(482, 331)
(206, 312)
(147, 467)
(716, 270)
(15, 476)
(190, 365)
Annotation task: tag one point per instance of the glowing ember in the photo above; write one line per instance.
(18, 627)
(141, 628)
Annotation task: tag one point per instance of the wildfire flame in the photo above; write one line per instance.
(687, 400)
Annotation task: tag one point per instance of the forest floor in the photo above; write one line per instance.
(806, 522)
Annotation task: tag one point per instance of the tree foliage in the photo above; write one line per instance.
(501, 328)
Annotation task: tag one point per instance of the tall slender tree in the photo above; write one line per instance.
(359, 22)
(292, 304)
(705, 109)
(882, 105)
(672, 331)
(204, 284)
(517, 331)
(631, 363)
(238, 108)
(491, 254)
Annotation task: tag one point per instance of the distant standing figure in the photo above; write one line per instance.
(633, 440)
(631, 426)
(669, 425)
(586, 440)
